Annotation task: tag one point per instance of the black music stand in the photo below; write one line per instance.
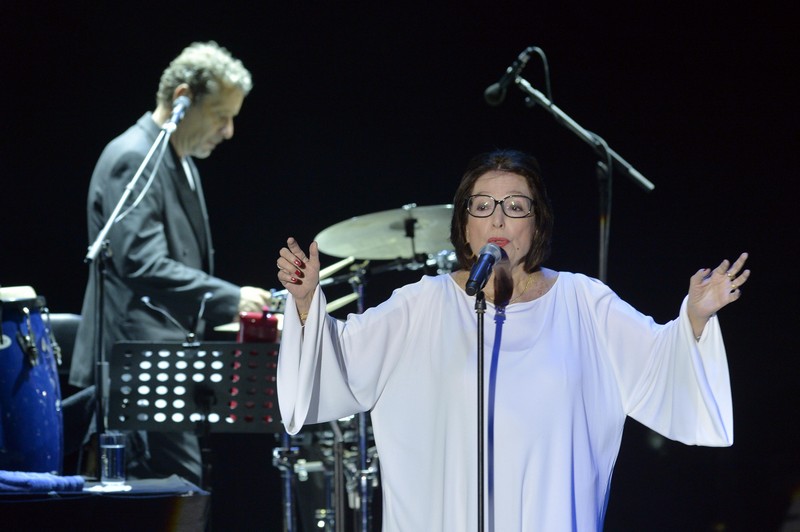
(197, 387)
(174, 387)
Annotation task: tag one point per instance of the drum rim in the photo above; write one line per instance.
(19, 303)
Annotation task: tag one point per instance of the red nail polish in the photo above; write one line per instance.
(298, 273)
(298, 262)
(293, 279)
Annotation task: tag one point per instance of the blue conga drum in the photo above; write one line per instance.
(31, 423)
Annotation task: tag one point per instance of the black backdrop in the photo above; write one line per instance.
(359, 108)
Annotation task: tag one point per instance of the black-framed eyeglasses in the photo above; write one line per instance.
(514, 205)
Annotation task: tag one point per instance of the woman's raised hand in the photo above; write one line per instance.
(299, 272)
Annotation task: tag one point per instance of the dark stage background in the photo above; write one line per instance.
(359, 108)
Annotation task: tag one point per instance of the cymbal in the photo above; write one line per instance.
(382, 235)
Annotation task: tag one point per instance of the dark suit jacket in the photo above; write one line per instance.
(161, 249)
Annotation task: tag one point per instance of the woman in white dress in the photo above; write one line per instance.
(568, 361)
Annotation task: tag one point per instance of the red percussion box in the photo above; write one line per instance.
(257, 327)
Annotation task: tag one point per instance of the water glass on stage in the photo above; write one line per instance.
(112, 458)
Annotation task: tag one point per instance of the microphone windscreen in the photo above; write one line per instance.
(494, 94)
(492, 249)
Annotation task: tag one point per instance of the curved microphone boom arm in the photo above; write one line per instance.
(608, 158)
(587, 136)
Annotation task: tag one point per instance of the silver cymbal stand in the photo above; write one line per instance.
(284, 458)
(366, 475)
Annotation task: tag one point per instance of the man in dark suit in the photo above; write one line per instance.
(161, 249)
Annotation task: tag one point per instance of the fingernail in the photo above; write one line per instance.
(298, 273)
(298, 262)
(293, 279)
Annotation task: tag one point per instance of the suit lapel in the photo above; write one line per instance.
(193, 204)
(206, 229)
(192, 201)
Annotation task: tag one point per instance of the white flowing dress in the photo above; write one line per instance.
(572, 365)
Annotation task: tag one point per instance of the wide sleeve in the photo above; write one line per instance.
(329, 369)
(310, 370)
(668, 380)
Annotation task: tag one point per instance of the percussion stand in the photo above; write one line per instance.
(365, 474)
(339, 520)
(101, 244)
(284, 459)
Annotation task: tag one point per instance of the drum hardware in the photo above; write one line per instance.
(326, 272)
(444, 261)
(364, 473)
(284, 458)
(324, 519)
(303, 467)
(28, 341)
(359, 480)
(336, 304)
(330, 451)
(53, 343)
(279, 296)
(361, 272)
(338, 478)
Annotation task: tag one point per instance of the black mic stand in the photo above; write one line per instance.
(101, 243)
(480, 311)
(589, 137)
(604, 185)
(600, 146)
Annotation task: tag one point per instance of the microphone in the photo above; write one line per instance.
(206, 297)
(190, 336)
(179, 108)
(496, 93)
(176, 323)
(489, 255)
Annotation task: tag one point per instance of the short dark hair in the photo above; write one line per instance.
(515, 162)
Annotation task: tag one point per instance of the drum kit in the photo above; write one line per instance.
(330, 470)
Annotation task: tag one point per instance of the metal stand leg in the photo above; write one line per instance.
(284, 458)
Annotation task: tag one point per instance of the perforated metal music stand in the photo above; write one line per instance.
(211, 386)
